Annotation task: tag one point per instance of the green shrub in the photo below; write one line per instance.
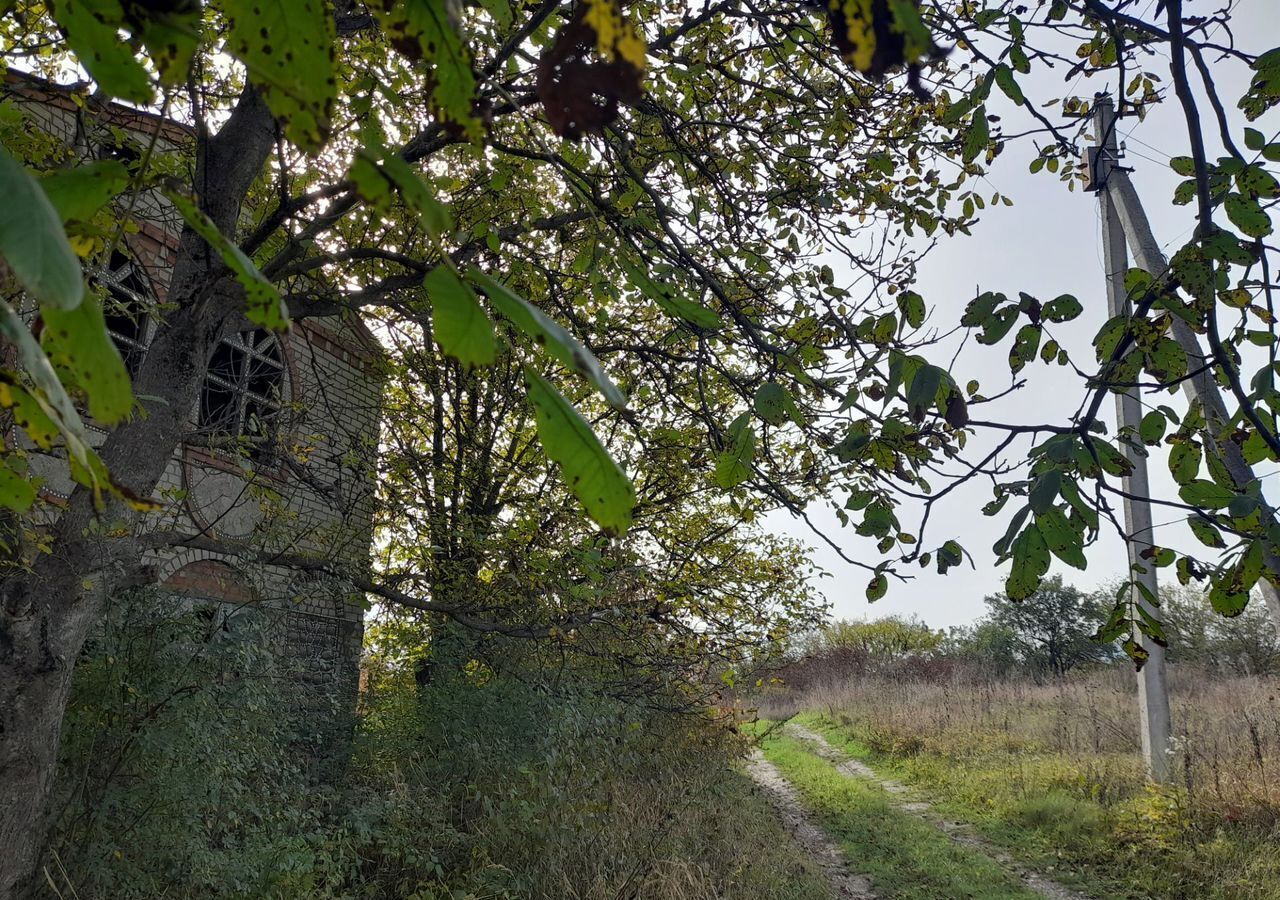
(1059, 815)
(182, 777)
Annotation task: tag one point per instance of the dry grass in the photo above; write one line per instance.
(1227, 730)
(1054, 770)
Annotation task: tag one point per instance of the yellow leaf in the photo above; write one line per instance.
(615, 36)
(82, 244)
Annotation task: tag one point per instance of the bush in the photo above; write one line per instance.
(177, 766)
(1059, 814)
(180, 777)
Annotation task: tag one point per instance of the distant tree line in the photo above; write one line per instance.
(1044, 637)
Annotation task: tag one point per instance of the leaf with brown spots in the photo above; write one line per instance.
(423, 30)
(288, 48)
(92, 29)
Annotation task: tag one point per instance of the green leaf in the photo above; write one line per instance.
(33, 242)
(1225, 599)
(423, 30)
(734, 465)
(1071, 493)
(922, 393)
(1184, 462)
(1206, 495)
(1247, 215)
(911, 305)
(1116, 625)
(1151, 428)
(878, 587)
(978, 135)
(1206, 533)
(1250, 568)
(461, 327)
(1044, 491)
(1254, 139)
(1062, 309)
(1024, 347)
(1009, 84)
(77, 343)
(288, 48)
(263, 303)
(549, 334)
(774, 404)
(28, 412)
(1030, 563)
(172, 39)
(77, 194)
(979, 309)
(595, 479)
(1183, 165)
(1193, 271)
(92, 29)
(1061, 537)
(1113, 462)
(16, 492)
(998, 325)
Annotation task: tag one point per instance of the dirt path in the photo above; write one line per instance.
(845, 884)
(957, 831)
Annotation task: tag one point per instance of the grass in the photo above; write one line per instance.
(1052, 774)
(905, 857)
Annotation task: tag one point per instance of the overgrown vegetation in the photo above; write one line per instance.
(641, 273)
(1052, 770)
(183, 778)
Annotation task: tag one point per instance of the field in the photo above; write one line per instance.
(1051, 774)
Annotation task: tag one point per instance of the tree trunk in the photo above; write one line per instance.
(46, 613)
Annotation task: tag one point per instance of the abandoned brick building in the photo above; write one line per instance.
(282, 441)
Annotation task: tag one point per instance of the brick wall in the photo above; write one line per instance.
(315, 500)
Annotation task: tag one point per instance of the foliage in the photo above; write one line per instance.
(719, 213)
(183, 764)
(473, 784)
(885, 640)
(985, 645)
(1245, 645)
(887, 415)
(1052, 630)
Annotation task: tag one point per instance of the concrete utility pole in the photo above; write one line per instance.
(1153, 692)
(1119, 191)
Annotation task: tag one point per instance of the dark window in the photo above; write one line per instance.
(241, 399)
(125, 308)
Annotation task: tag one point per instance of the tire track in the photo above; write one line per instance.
(957, 831)
(845, 883)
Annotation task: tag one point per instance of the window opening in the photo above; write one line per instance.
(125, 308)
(241, 398)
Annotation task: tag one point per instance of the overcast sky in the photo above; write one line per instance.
(1048, 243)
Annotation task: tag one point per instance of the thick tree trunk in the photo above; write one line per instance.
(47, 612)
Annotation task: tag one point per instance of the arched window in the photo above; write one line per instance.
(242, 396)
(126, 308)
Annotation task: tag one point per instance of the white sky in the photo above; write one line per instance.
(1048, 243)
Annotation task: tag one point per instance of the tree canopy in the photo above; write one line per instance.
(677, 245)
